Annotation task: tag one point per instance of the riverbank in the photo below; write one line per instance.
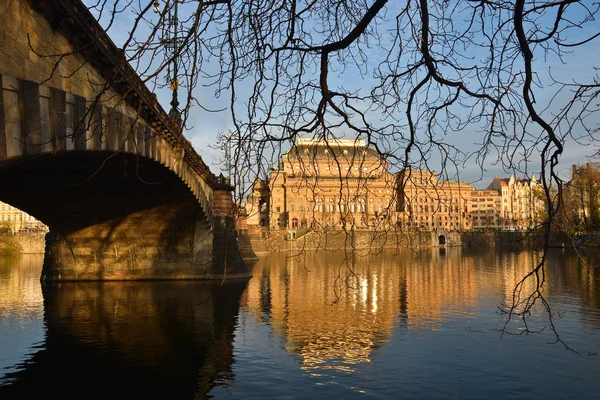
(25, 244)
(267, 242)
(253, 244)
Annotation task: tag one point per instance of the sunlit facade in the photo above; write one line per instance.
(521, 204)
(426, 203)
(336, 184)
(484, 209)
(19, 221)
(345, 184)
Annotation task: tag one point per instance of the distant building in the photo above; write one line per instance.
(521, 203)
(343, 184)
(19, 221)
(325, 184)
(484, 209)
(336, 183)
(428, 204)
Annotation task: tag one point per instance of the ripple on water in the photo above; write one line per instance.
(399, 332)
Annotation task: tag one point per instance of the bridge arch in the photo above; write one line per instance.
(442, 240)
(91, 153)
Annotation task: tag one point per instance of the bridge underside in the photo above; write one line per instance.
(118, 216)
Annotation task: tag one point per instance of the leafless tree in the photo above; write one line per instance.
(582, 194)
(416, 79)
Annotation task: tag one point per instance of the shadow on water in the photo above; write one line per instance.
(312, 325)
(168, 339)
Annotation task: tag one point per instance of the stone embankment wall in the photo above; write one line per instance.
(519, 240)
(252, 245)
(29, 244)
(32, 244)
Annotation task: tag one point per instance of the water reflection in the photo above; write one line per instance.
(296, 296)
(333, 327)
(148, 339)
(313, 326)
(582, 276)
(21, 311)
(20, 284)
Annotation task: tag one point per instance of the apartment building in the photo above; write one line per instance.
(484, 209)
(428, 204)
(19, 221)
(521, 202)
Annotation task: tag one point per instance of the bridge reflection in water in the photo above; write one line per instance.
(388, 326)
(163, 339)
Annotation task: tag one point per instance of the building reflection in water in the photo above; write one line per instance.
(582, 278)
(335, 327)
(297, 297)
(144, 339)
(176, 339)
(19, 293)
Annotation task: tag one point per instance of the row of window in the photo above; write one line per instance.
(326, 151)
(437, 209)
(17, 217)
(434, 209)
(487, 206)
(362, 207)
(440, 200)
(433, 224)
(439, 218)
(331, 208)
(316, 167)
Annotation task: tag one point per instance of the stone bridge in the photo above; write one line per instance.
(86, 148)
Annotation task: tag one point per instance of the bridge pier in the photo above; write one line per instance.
(166, 242)
(156, 244)
(227, 259)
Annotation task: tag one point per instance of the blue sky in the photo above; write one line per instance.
(204, 127)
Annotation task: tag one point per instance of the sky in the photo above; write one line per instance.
(204, 127)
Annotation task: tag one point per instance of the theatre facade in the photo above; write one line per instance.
(346, 184)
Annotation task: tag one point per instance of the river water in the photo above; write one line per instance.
(317, 325)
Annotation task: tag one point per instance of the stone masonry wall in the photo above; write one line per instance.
(360, 239)
(29, 48)
(374, 241)
(32, 244)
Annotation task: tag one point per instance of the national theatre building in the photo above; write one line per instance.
(333, 184)
(345, 184)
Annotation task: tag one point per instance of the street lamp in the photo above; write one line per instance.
(171, 41)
